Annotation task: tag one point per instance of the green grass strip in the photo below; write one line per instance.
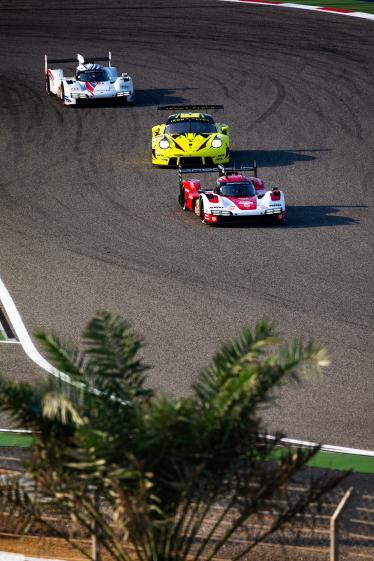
(12, 439)
(343, 462)
(336, 461)
(323, 460)
(355, 6)
(2, 338)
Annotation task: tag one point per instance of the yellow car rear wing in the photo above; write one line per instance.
(189, 108)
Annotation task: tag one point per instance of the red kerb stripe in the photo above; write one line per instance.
(341, 10)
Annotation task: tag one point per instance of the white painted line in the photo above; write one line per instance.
(320, 9)
(33, 353)
(17, 430)
(23, 336)
(28, 346)
(329, 448)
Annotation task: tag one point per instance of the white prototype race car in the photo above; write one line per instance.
(91, 81)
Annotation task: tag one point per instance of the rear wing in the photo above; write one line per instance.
(79, 59)
(220, 169)
(190, 107)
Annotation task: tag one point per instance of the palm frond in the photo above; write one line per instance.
(147, 470)
(63, 355)
(112, 351)
(57, 407)
(247, 347)
(22, 402)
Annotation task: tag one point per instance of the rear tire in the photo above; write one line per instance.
(278, 219)
(48, 86)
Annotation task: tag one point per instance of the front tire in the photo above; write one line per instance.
(202, 219)
(182, 200)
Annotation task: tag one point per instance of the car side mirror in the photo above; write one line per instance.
(155, 131)
(225, 129)
(125, 76)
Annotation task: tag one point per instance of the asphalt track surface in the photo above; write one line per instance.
(86, 224)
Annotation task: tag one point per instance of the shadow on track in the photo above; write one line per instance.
(308, 216)
(161, 96)
(143, 98)
(311, 216)
(113, 103)
(273, 158)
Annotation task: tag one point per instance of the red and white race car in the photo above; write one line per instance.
(233, 197)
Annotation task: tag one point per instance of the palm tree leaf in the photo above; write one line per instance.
(249, 347)
(22, 402)
(112, 351)
(64, 356)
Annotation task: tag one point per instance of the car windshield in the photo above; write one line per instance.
(196, 127)
(237, 189)
(93, 75)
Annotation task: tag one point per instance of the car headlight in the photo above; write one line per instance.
(164, 143)
(216, 142)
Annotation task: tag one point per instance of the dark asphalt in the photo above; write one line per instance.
(87, 224)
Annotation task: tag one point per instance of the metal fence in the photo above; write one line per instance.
(309, 538)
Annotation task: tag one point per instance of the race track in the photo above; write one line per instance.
(86, 223)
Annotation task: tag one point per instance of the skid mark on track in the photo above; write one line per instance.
(279, 99)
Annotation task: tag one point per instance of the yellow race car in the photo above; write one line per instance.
(190, 138)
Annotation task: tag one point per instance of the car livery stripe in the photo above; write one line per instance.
(177, 145)
(204, 144)
(90, 86)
